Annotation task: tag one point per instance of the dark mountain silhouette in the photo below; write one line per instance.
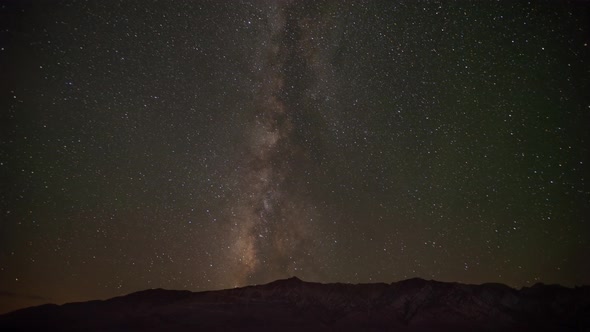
(295, 305)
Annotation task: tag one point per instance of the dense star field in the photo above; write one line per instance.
(211, 144)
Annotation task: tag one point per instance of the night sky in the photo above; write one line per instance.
(212, 144)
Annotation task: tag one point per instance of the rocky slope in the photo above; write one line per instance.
(295, 305)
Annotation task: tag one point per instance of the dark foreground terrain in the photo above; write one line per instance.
(295, 305)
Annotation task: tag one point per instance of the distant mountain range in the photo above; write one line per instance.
(295, 305)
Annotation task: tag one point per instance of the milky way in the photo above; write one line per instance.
(271, 222)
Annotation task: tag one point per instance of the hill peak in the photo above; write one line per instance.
(289, 281)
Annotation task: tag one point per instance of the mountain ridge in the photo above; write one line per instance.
(293, 304)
